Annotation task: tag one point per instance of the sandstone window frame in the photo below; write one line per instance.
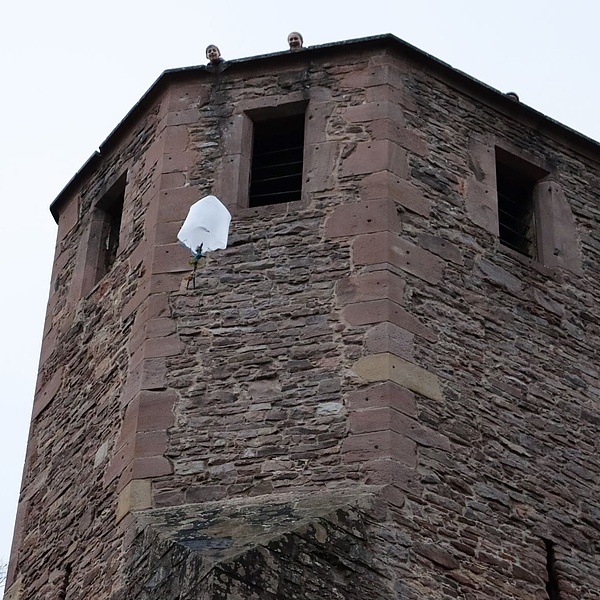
(556, 239)
(232, 183)
(103, 242)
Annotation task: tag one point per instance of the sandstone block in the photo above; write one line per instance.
(385, 366)
(322, 159)
(156, 410)
(383, 395)
(170, 181)
(382, 419)
(384, 247)
(378, 155)
(160, 327)
(556, 228)
(158, 306)
(372, 111)
(482, 206)
(136, 495)
(174, 204)
(396, 92)
(381, 444)
(371, 286)
(233, 184)
(162, 347)
(170, 258)
(176, 140)
(387, 337)
(384, 471)
(176, 161)
(165, 282)
(386, 184)
(69, 216)
(182, 117)
(185, 96)
(380, 311)
(318, 115)
(374, 75)
(395, 131)
(145, 468)
(153, 374)
(362, 217)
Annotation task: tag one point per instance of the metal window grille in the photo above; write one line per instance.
(277, 161)
(515, 209)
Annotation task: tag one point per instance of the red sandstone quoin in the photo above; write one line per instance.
(386, 387)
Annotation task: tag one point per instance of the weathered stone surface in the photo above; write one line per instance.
(384, 419)
(363, 217)
(386, 366)
(387, 337)
(385, 184)
(382, 311)
(383, 395)
(314, 337)
(15, 591)
(375, 248)
(379, 155)
(371, 286)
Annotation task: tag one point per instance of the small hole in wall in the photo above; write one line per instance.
(552, 587)
(376, 446)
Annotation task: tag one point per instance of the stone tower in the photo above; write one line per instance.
(385, 387)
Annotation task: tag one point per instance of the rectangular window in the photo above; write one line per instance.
(277, 160)
(516, 181)
(110, 208)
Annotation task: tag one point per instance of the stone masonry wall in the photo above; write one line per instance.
(373, 335)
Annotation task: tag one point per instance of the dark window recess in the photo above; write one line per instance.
(552, 585)
(515, 208)
(62, 594)
(111, 209)
(277, 153)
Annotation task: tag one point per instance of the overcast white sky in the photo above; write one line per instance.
(72, 70)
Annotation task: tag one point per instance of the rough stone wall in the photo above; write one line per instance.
(373, 334)
(493, 430)
(65, 539)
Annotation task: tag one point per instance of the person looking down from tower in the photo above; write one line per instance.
(214, 55)
(295, 41)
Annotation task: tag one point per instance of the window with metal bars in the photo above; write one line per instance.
(516, 181)
(277, 161)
